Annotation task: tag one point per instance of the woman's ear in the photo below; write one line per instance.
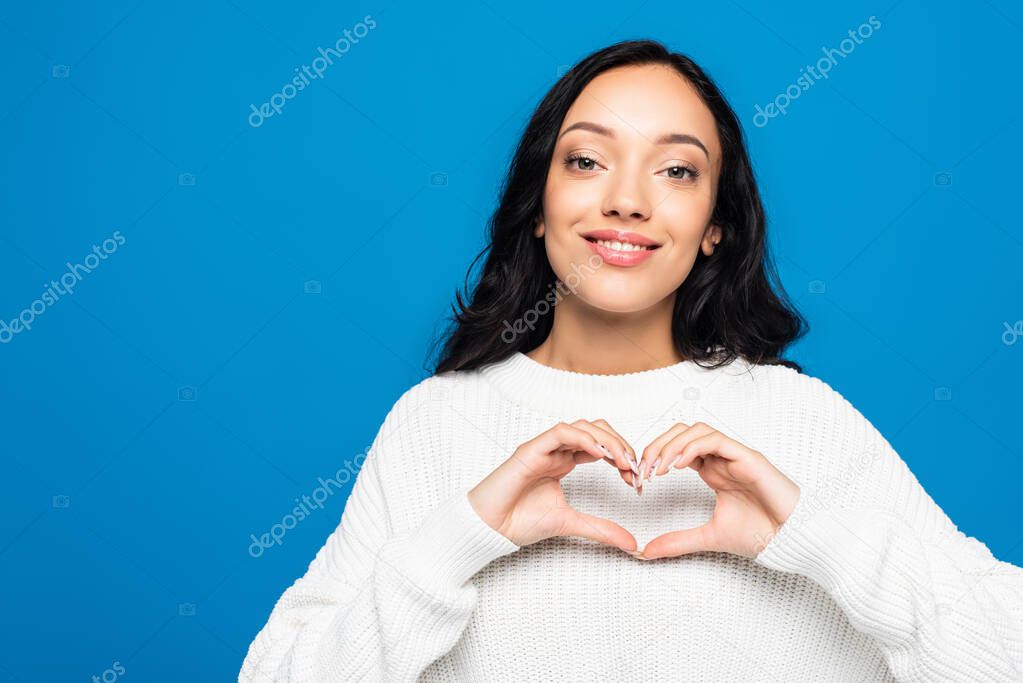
(539, 229)
(711, 237)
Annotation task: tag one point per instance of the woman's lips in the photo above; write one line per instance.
(620, 258)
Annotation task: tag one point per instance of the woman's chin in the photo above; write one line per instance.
(617, 300)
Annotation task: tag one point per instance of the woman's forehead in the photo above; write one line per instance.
(644, 103)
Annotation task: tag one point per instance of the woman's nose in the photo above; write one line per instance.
(625, 198)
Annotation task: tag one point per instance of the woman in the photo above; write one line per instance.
(625, 317)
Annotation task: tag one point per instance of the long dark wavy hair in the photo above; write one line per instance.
(730, 305)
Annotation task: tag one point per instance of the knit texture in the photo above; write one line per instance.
(868, 579)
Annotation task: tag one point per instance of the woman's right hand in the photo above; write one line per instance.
(523, 500)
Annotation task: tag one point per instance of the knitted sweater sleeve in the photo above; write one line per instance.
(936, 602)
(377, 603)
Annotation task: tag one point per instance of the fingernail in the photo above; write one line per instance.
(634, 466)
(656, 463)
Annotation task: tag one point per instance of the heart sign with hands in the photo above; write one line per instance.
(754, 498)
(523, 499)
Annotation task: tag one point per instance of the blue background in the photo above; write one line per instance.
(191, 387)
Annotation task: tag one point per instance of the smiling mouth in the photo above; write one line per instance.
(621, 246)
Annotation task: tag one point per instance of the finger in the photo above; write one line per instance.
(598, 529)
(714, 443)
(559, 437)
(614, 443)
(677, 543)
(563, 436)
(671, 451)
(630, 478)
(578, 456)
(586, 456)
(581, 457)
(654, 448)
(628, 448)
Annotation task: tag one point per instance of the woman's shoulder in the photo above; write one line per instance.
(809, 406)
(418, 405)
(777, 377)
(802, 394)
(419, 399)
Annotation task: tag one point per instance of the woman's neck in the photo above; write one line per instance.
(607, 343)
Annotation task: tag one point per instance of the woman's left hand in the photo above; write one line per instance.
(753, 497)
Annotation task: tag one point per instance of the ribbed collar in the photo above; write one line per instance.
(580, 395)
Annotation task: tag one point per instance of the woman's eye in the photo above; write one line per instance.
(585, 163)
(581, 162)
(679, 173)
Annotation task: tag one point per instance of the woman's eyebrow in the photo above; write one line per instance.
(666, 139)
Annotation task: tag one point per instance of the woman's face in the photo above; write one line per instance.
(637, 156)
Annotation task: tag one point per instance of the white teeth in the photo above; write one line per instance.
(620, 246)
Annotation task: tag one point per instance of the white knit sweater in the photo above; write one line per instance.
(867, 580)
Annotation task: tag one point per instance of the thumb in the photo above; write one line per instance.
(598, 529)
(678, 543)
